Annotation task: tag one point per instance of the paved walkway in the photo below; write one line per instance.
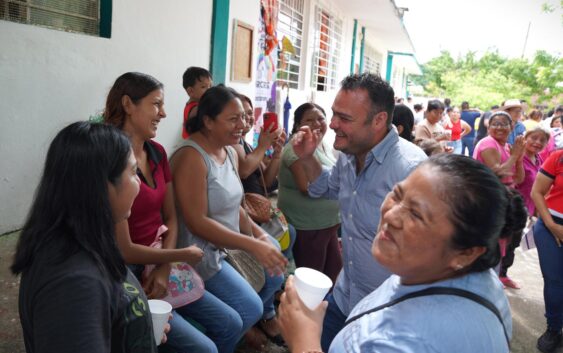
(527, 303)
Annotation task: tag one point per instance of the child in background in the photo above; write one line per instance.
(196, 80)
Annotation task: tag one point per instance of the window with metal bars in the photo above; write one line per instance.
(372, 61)
(328, 42)
(91, 17)
(290, 25)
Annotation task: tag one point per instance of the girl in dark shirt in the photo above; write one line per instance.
(76, 294)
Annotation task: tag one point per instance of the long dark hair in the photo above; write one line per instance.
(402, 115)
(136, 86)
(480, 206)
(71, 203)
(211, 105)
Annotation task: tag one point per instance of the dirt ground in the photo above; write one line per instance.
(526, 303)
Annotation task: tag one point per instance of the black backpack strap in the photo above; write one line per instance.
(439, 291)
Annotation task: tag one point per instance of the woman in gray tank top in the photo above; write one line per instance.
(208, 194)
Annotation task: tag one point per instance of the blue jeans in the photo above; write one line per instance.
(467, 142)
(332, 324)
(551, 264)
(233, 290)
(456, 145)
(223, 327)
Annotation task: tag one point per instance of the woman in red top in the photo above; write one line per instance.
(135, 104)
(547, 194)
(458, 127)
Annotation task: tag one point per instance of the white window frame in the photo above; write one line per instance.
(328, 33)
(291, 25)
(372, 60)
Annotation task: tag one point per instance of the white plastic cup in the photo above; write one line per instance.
(160, 311)
(311, 285)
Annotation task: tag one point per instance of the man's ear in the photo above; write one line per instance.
(380, 118)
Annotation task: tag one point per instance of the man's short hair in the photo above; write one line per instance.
(380, 93)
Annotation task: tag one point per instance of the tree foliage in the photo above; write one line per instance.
(492, 78)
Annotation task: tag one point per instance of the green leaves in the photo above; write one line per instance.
(491, 79)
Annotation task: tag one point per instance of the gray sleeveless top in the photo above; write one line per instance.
(224, 196)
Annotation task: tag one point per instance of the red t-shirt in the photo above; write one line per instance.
(553, 169)
(187, 109)
(146, 216)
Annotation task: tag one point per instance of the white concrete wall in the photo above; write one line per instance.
(49, 78)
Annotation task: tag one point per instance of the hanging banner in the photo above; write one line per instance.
(266, 70)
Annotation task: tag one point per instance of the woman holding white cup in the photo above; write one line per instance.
(76, 294)
(427, 239)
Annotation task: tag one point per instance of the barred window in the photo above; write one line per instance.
(84, 16)
(372, 60)
(328, 42)
(290, 25)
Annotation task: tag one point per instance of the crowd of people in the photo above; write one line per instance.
(415, 219)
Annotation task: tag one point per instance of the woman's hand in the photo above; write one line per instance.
(267, 137)
(193, 255)
(156, 284)
(502, 171)
(518, 147)
(557, 232)
(269, 256)
(300, 327)
(305, 142)
(166, 330)
(278, 145)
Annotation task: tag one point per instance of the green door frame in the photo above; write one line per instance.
(219, 40)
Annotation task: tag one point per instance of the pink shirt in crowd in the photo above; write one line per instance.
(531, 169)
(489, 142)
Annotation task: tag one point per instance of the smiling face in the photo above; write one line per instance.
(315, 119)
(354, 133)
(500, 127)
(248, 116)
(535, 142)
(227, 127)
(415, 231)
(142, 118)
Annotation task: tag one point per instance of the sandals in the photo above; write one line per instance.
(276, 339)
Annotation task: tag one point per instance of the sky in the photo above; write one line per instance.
(460, 26)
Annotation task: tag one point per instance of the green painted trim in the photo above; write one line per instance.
(106, 8)
(407, 54)
(219, 40)
(389, 67)
(353, 47)
(362, 49)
